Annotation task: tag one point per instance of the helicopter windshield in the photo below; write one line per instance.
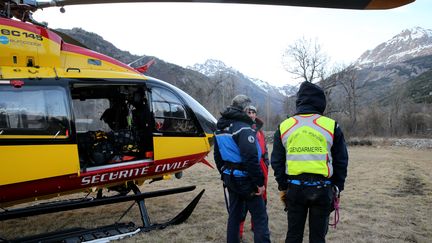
(206, 120)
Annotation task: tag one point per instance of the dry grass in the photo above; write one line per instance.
(388, 198)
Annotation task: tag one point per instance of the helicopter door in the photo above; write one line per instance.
(176, 133)
(35, 140)
(112, 123)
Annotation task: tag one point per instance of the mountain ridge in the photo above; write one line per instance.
(407, 44)
(211, 68)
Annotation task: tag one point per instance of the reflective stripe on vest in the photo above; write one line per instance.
(308, 140)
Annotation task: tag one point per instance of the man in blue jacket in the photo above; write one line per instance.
(237, 155)
(310, 161)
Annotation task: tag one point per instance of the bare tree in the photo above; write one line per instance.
(290, 105)
(267, 111)
(220, 93)
(397, 99)
(305, 59)
(328, 83)
(373, 122)
(348, 80)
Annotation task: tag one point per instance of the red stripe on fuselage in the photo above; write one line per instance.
(86, 52)
(63, 184)
(32, 28)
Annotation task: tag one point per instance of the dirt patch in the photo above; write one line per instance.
(410, 185)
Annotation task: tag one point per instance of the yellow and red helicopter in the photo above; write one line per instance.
(74, 120)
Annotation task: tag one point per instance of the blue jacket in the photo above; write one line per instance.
(235, 127)
(311, 100)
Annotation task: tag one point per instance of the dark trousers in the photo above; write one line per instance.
(302, 200)
(238, 200)
(243, 218)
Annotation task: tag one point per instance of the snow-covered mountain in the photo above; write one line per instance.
(213, 68)
(269, 99)
(408, 44)
(286, 90)
(393, 64)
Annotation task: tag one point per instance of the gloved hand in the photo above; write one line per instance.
(282, 196)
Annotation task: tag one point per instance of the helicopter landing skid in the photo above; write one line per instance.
(106, 233)
(75, 235)
(180, 218)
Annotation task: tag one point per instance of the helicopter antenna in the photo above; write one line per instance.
(137, 60)
(143, 68)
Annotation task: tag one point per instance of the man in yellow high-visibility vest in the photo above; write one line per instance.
(310, 161)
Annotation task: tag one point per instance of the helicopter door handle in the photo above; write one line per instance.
(58, 132)
(73, 69)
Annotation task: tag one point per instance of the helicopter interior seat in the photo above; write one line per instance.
(93, 146)
(99, 148)
(116, 145)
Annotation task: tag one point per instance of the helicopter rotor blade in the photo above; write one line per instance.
(343, 4)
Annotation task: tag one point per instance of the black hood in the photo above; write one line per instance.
(310, 99)
(231, 114)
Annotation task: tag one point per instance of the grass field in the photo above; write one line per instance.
(387, 198)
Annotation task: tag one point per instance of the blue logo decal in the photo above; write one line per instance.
(4, 40)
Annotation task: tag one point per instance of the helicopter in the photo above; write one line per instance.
(74, 120)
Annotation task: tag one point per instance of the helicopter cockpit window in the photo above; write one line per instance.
(170, 113)
(34, 110)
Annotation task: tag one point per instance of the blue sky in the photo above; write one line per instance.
(250, 38)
